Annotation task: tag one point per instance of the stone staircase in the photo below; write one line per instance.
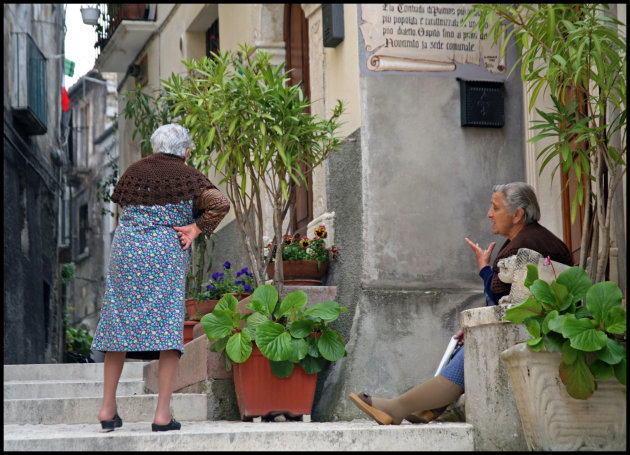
(53, 407)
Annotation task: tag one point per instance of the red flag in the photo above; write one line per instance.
(65, 100)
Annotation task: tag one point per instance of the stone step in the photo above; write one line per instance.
(356, 435)
(66, 371)
(67, 388)
(139, 408)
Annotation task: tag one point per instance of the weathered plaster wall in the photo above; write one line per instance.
(425, 184)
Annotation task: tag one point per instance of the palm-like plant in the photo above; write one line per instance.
(576, 54)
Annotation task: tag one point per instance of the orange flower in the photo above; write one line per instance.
(304, 242)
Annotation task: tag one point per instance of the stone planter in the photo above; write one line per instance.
(490, 405)
(553, 420)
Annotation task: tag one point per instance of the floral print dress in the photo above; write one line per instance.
(143, 305)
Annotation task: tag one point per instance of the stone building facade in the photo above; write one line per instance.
(34, 157)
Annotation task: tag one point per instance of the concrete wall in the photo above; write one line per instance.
(425, 185)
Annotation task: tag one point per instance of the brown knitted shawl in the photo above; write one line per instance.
(537, 238)
(159, 179)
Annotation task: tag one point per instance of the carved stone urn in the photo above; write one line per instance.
(551, 418)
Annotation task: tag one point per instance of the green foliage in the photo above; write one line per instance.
(148, 113)
(585, 334)
(77, 340)
(68, 270)
(285, 332)
(105, 188)
(576, 55)
(252, 128)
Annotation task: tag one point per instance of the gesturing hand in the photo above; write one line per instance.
(483, 256)
(187, 234)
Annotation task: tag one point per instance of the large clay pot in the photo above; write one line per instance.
(202, 306)
(551, 418)
(259, 392)
(301, 273)
(188, 330)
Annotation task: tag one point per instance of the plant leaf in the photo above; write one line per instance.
(601, 298)
(331, 346)
(239, 347)
(295, 300)
(326, 311)
(217, 324)
(578, 378)
(282, 369)
(301, 328)
(312, 364)
(517, 314)
(273, 341)
(583, 334)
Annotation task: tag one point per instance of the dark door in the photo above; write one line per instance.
(296, 45)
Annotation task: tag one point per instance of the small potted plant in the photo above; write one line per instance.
(304, 261)
(575, 364)
(222, 283)
(276, 347)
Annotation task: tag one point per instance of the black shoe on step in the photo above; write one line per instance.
(172, 425)
(109, 425)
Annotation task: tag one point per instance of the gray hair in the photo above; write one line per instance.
(172, 139)
(520, 195)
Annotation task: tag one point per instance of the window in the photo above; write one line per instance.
(212, 38)
(83, 228)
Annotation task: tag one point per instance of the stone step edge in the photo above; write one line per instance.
(362, 435)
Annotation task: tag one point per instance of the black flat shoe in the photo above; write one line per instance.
(172, 425)
(109, 425)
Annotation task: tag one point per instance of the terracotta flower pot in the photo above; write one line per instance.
(301, 273)
(259, 392)
(202, 306)
(188, 330)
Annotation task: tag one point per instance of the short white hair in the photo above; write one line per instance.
(520, 195)
(172, 139)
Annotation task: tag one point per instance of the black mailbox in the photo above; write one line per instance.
(482, 103)
(332, 20)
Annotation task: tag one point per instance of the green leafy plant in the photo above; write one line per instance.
(78, 341)
(576, 54)
(226, 283)
(587, 334)
(253, 128)
(285, 332)
(68, 271)
(297, 247)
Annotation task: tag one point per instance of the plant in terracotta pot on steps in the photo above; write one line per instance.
(582, 328)
(305, 261)
(240, 285)
(277, 349)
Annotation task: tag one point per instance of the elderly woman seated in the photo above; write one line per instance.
(514, 213)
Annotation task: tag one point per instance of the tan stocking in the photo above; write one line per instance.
(434, 393)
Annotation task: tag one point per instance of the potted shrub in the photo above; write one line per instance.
(274, 348)
(252, 127)
(575, 363)
(305, 261)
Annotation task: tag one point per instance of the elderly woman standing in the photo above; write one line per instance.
(514, 213)
(165, 206)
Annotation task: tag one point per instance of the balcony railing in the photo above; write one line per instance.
(113, 13)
